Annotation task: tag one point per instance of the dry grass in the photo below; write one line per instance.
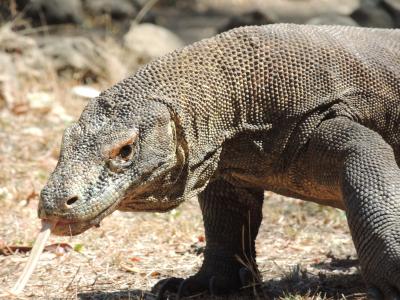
(303, 248)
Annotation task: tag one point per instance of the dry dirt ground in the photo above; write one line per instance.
(304, 250)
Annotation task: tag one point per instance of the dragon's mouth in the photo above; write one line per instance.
(75, 226)
(64, 227)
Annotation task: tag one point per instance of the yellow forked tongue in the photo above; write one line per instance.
(34, 257)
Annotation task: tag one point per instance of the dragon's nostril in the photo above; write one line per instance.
(72, 200)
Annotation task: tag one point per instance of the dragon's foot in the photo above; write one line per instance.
(384, 287)
(203, 283)
(380, 265)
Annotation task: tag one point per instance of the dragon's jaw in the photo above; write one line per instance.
(124, 196)
(65, 227)
(80, 220)
(73, 228)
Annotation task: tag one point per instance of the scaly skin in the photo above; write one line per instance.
(305, 111)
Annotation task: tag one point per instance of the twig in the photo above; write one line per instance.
(144, 10)
(73, 278)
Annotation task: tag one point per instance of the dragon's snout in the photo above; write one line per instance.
(57, 204)
(60, 212)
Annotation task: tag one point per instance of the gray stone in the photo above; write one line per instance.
(21, 61)
(373, 16)
(52, 11)
(82, 58)
(117, 9)
(393, 6)
(28, 61)
(370, 2)
(332, 19)
(283, 10)
(247, 19)
(146, 41)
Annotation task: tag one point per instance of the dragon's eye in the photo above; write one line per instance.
(125, 151)
(121, 151)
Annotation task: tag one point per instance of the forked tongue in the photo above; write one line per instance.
(33, 259)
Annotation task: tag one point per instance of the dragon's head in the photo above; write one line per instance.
(120, 155)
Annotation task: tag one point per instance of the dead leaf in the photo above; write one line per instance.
(135, 259)
(130, 269)
(58, 249)
(155, 274)
(10, 250)
(20, 108)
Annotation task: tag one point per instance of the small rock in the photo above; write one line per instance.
(5, 194)
(40, 101)
(58, 113)
(146, 41)
(82, 59)
(85, 91)
(35, 131)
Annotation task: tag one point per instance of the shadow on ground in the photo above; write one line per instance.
(336, 279)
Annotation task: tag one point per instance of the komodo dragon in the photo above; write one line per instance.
(304, 111)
